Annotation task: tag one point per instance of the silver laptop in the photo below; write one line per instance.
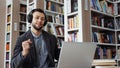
(76, 55)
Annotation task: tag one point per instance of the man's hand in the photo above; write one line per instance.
(26, 47)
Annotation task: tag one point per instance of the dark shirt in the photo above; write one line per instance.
(41, 50)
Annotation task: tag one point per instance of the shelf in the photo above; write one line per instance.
(106, 44)
(60, 36)
(57, 2)
(93, 10)
(73, 29)
(110, 1)
(117, 2)
(22, 30)
(102, 28)
(58, 24)
(23, 13)
(117, 44)
(117, 15)
(31, 3)
(24, 2)
(22, 22)
(55, 16)
(117, 30)
(52, 12)
(73, 13)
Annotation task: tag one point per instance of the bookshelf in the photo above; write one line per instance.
(94, 21)
(54, 10)
(105, 29)
(11, 32)
(23, 12)
(77, 26)
(15, 19)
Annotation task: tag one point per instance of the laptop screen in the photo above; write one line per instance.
(76, 55)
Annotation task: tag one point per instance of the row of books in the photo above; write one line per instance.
(102, 37)
(54, 7)
(73, 22)
(73, 37)
(105, 52)
(103, 22)
(56, 30)
(58, 19)
(103, 6)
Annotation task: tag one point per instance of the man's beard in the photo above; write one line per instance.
(36, 28)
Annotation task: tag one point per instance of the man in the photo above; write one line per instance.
(35, 48)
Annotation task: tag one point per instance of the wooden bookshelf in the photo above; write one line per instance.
(77, 26)
(95, 21)
(105, 22)
(54, 10)
(23, 13)
(14, 11)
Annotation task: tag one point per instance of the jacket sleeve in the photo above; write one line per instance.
(57, 50)
(17, 58)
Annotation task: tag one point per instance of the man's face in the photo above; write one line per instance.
(38, 20)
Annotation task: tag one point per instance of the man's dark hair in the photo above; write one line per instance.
(30, 15)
